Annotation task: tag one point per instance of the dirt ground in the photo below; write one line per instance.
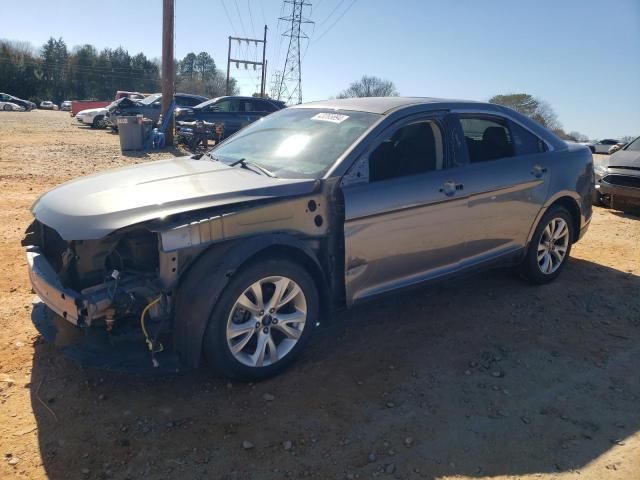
(482, 378)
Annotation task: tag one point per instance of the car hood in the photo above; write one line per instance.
(123, 102)
(626, 159)
(94, 206)
(90, 111)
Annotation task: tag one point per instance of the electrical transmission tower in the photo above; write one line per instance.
(291, 79)
(275, 85)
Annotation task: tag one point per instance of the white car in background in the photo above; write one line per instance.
(94, 117)
(47, 105)
(8, 107)
(603, 146)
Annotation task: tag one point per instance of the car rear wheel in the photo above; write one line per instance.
(550, 246)
(262, 320)
(7, 108)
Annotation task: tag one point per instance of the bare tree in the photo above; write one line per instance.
(530, 106)
(578, 137)
(370, 86)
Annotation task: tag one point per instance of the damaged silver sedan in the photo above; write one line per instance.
(234, 256)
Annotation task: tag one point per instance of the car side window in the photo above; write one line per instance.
(410, 150)
(486, 139)
(226, 106)
(267, 107)
(525, 142)
(192, 102)
(253, 106)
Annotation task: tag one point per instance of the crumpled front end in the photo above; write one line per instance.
(93, 282)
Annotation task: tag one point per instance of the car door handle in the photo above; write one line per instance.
(538, 171)
(450, 187)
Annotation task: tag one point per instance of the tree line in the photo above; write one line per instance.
(55, 72)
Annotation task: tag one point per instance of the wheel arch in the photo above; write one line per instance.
(196, 295)
(570, 203)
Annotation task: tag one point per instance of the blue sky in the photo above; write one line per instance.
(581, 56)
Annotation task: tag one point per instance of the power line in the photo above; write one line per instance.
(262, 11)
(336, 21)
(331, 14)
(229, 17)
(244, 32)
(253, 30)
(71, 69)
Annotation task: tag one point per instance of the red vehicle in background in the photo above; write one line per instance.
(79, 105)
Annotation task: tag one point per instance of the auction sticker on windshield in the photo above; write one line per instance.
(330, 117)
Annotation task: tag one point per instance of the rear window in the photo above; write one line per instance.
(492, 138)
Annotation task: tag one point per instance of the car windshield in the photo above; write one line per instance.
(634, 146)
(298, 142)
(150, 99)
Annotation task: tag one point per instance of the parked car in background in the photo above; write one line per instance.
(150, 107)
(80, 105)
(5, 97)
(66, 106)
(47, 105)
(9, 106)
(618, 178)
(94, 117)
(603, 146)
(229, 256)
(233, 112)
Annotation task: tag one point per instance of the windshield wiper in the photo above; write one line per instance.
(253, 167)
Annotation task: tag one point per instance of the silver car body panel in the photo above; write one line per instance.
(94, 206)
(408, 230)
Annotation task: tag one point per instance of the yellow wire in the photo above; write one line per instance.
(144, 312)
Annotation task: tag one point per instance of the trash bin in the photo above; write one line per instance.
(147, 133)
(131, 133)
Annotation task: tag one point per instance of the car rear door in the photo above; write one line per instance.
(403, 209)
(506, 177)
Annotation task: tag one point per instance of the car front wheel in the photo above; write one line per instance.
(98, 122)
(550, 246)
(263, 320)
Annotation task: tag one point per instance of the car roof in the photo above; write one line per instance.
(380, 105)
(191, 95)
(240, 97)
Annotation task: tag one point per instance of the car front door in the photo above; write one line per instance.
(506, 178)
(403, 209)
(227, 111)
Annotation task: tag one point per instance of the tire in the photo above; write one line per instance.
(263, 327)
(98, 122)
(7, 108)
(535, 266)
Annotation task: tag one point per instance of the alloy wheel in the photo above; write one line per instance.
(553, 245)
(266, 321)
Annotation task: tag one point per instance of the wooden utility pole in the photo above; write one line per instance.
(264, 63)
(168, 74)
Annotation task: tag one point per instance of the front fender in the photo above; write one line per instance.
(206, 279)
